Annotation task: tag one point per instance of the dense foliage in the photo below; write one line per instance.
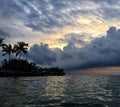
(20, 67)
(17, 66)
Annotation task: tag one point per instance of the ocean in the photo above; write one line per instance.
(61, 91)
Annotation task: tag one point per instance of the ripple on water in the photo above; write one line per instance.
(62, 91)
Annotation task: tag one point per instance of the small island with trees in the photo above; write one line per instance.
(15, 66)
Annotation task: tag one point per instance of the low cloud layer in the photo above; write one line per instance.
(100, 52)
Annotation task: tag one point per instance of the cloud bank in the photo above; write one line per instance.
(100, 52)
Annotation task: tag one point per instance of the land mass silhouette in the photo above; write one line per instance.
(17, 66)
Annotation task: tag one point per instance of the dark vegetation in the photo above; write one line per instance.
(16, 66)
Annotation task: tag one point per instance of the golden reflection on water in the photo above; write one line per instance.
(55, 86)
(78, 87)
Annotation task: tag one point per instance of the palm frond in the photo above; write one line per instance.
(4, 54)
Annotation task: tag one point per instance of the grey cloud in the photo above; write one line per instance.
(41, 54)
(111, 13)
(100, 52)
(106, 1)
(109, 9)
(4, 34)
(75, 38)
(45, 15)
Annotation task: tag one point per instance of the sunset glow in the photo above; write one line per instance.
(100, 71)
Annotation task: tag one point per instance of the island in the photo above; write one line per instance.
(19, 66)
(15, 68)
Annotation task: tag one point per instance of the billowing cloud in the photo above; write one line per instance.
(78, 40)
(42, 54)
(100, 52)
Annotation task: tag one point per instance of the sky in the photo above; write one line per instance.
(71, 34)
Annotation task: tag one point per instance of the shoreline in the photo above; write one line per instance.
(19, 73)
(23, 74)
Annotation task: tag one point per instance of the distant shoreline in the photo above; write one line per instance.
(24, 74)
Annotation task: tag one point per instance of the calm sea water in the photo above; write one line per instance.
(60, 91)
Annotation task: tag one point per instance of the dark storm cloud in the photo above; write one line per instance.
(100, 52)
(42, 55)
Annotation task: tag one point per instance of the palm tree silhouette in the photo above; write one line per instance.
(7, 49)
(1, 41)
(19, 48)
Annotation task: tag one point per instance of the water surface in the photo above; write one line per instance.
(61, 91)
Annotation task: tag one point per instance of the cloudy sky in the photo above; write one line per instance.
(72, 34)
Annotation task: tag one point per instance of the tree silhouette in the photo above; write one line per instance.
(19, 48)
(21, 67)
(7, 49)
(1, 41)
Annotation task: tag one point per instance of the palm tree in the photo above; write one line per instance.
(7, 49)
(1, 41)
(19, 48)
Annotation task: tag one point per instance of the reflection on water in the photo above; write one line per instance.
(55, 87)
(61, 91)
